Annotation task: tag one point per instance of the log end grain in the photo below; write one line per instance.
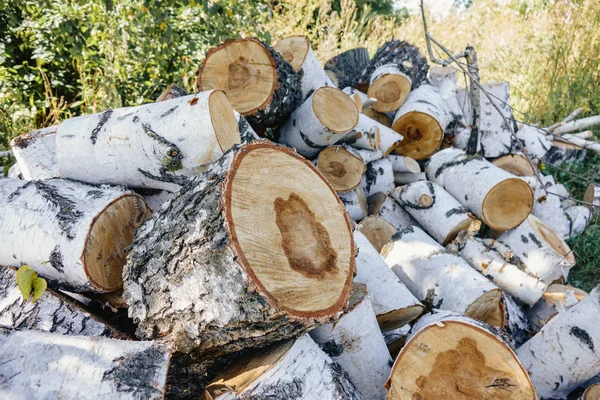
(422, 134)
(516, 164)
(507, 204)
(334, 109)
(342, 169)
(390, 90)
(293, 49)
(223, 120)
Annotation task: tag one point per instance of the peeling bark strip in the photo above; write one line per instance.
(204, 268)
(345, 68)
(52, 312)
(156, 146)
(574, 331)
(451, 356)
(69, 232)
(36, 154)
(294, 370)
(114, 369)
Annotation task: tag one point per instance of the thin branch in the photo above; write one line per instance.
(569, 118)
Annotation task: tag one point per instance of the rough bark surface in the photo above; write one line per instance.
(345, 68)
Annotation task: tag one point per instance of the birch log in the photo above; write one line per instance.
(41, 365)
(578, 125)
(569, 118)
(73, 234)
(539, 250)
(498, 198)
(548, 208)
(442, 279)
(450, 356)
(152, 146)
(296, 50)
(356, 344)
(377, 230)
(579, 218)
(156, 198)
(535, 140)
(378, 177)
(421, 121)
(517, 323)
(444, 79)
(575, 331)
(345, 68)
(389, 86)
(557, 298)
(404, 179)
(435, 209)
(393, 304)
(297, 370)
(562, 152)
(36, 154)
(386, 138)
(395, 339)
(323, 119)
(404, 165)
(52, 312)
(517, 164)
(258, 82)
(344, 166)
(219, 266)
(485, 258)
(355, 202)
(383, 206)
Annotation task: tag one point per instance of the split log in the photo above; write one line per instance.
(154, 146)
(404, 179)
(557, 298)
(41, 365)
(435, 209)
(220, 267)
(378, 177)
(377, 230)
(575, 331)
(498, 198)
(433, 275)
(52, 312)
(296, 50)
(592, 195)
(562, 152)
(345, 68)
(290, 370)
(450, 356)
(482, 255)
(495, 137)
(535, 140)
(171, 92)
(74, 235)
(323, 119)
(591, 393)
(406, 57)
(539, 250)
(548, 208)
(421, 121)
(393, 304)
(36, 154)
(404, 165)
(578, 125)
(344, 166)
(383, 206)
(258, 82)
(517, 164)
(355, 202)
(356, 344)
(389, 86)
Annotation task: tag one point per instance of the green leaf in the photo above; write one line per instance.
(39, 287)
(25, 277)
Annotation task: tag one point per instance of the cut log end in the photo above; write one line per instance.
(592, 392)
(293, 49)
(422, 134)
(590, 194)
(427, 366)
(371, 112)
(551, 238)
(516, 164)
(223, 120)
(105, 250)
(302, 257)
(507, 204)
(390, 90)
(462, 225)
(398, 318)
(334, 109)
(341, 168)
(251, 76)
(488, 308)
(377, 230)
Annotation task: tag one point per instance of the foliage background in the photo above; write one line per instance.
(61, 58)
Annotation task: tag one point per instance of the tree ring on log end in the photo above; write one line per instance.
(334, 109)
(507, 204)
(422, 134)
(223, 120)
(111, 233)
(251, 77)
(293, 49)
(377, 230)
(390, 90)
(290, 231)
(550, 238)
(342, 169)
(488, 308)
(426, 367)
(516, 164)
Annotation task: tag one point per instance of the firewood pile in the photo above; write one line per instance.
(294, 231)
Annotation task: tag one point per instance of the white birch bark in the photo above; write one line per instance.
(379, 177)
(580, 135)
(359, 97)
(575, 332)
(156, 199)
(434, 274)
(404, 165)
(556, 298)
(563, 152)
(402, 179)
(548, 208)
(586, 144)
(440, 215)
(535, 141)
(393, 304)
(355, 202)
(36, 154)
(355, 342)
(154, 145)
(312, 75)
(48, 226)
(578, 125)
(517, 323)
(386, 207)
(444, 79)
(579, 218)
(386, 139)
(15, 172)
(540, 252)
(41, 365)
(592, 195)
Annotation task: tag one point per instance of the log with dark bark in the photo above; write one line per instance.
(258, 82)
(36, 154)
(171, 92)
(74, 235)
(42, 365)
(345, 68)
(243, 256)
(450, 356)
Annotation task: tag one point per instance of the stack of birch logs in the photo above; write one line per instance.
(294, 231)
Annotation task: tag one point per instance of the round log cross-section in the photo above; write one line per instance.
(245, 255)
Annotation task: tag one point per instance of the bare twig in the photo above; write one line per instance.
(569, 118)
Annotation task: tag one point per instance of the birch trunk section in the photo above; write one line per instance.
(355, 202)
(557, 298)
(548, 208)
(378, 177)
(36, 154)
(345, 68)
